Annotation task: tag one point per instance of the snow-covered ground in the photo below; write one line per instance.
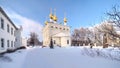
(70, 57)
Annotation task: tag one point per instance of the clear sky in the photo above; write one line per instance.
(80, 13)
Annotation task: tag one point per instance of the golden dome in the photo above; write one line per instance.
(46, 22)
(54, 18)
(65, 20)
(51, 16)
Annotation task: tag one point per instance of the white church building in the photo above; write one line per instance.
(60, 34)
(10, 35)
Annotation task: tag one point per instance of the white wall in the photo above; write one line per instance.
(64, 41)
(24, 41)
(18, 41)
(5, 35)
(49, 32)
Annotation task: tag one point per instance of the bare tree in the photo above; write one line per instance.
(33, 40)
(114, 15)
(107, 27)
(75, 34)
(107, 31)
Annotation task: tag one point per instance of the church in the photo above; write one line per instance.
(57, 32)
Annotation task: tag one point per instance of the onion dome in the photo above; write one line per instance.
(65, 20)
(51, 16)
(46, 22)
(54, 18)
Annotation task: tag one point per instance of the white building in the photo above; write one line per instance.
(60, 34)
(10, 35)
(24, 41)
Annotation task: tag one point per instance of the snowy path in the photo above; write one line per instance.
(65, 58)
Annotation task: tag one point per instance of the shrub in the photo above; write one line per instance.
(11, 50)
(22, 47)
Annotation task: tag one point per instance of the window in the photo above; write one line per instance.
(12, 31)
(60, 28)
(8, 28)
(54, 42)
(8, 44)
(56, 27)
(2, 42)
(64, 29)
(67, 41)
(2, 23)
(11, 43)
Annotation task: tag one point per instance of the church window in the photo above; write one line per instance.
(51, 26)
(54, 42)
(60, 28)
(64, 29)
(67, 41)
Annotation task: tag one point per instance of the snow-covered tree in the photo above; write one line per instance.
(82, 36)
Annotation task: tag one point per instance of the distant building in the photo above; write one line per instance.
(10, 35)
(24, 41)
(60, 34)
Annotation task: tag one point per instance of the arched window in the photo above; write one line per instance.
(54, 42)
(67, 41)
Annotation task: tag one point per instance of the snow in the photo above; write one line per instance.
(70, 57)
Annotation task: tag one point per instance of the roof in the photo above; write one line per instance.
(3, 12)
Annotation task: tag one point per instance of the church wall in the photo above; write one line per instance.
(56, 41)
(46, 37)
(56, 28)
(64, 41)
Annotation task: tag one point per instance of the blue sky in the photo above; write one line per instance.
(80, 13)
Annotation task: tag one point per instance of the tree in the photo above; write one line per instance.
(106, 28)
(75, 35)
(82, 36)
(33, 40)
(51, 44)
(98, 38)
(108, 33)
(114, 15)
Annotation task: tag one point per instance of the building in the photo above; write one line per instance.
(58, 33)
(24, 41)
(10, 35)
